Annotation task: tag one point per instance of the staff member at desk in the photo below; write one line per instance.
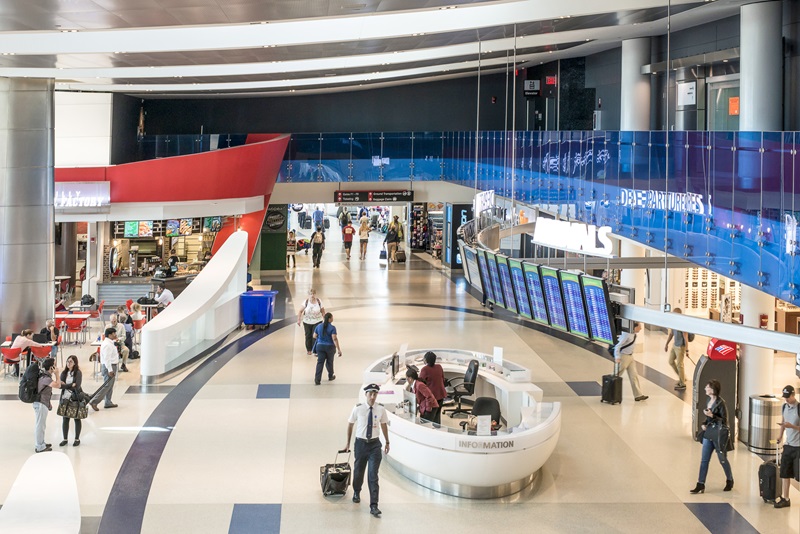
(433, 376)
(426, 402)
(366, 418)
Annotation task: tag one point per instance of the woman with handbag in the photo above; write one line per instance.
(311, 314)
(715, 435)
(71, 378)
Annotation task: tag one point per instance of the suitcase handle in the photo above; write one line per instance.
(336, 458)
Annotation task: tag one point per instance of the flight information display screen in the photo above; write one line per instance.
(573, 301)
(598, 305)
(518, 281)
(552, 297)
(494, 276)
(484, 269)
(471, 260)
(505, 281)
(535, 292)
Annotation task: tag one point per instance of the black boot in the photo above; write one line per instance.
(728, 485)
(699, 488)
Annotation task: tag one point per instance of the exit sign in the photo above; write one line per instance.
(550, 80)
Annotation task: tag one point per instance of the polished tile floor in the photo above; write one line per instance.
(235, 444)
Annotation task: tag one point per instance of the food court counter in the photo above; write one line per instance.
(463, 464)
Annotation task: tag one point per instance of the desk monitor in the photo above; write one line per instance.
(412, 400)
(598, 306)
(533, 280)
(494, 276)
(505, 281)
(395, 364)
(484, 271)
(573, 303)
(551, 287)
(518, 281)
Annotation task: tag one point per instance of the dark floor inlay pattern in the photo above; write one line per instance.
(247, 518)
(585, 389)
(720, 517)
(273, 391)
(149, 389)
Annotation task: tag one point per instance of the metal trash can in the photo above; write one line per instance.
(765, 414)
(257, 307)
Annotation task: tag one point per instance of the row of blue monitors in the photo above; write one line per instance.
(570, 302)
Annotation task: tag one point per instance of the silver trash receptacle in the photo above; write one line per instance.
(765, 414)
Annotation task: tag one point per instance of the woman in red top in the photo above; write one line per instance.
(426, 402)
(433, 376)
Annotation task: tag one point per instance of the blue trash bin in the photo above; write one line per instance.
(257, 307)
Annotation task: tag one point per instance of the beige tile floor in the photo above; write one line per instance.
(625, 468)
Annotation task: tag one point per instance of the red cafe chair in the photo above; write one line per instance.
(11, 357)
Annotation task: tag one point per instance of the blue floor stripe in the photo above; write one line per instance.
(720, 518)
(273, 391)
(124, 510)
(248, 518)
(586, 389)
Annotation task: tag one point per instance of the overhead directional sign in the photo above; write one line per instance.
(373, 196)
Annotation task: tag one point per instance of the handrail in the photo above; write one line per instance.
(204, 313)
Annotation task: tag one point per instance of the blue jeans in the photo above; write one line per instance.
(708, 448)
(367, 453)
(325, 354)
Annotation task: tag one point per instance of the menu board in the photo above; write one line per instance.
(213, 224)
(185, 227)
(535, 292)
(518, 281)
(471, 261)
(131, 229)
(573, 300)
(484, 270)
(505, 281)
(173, 228)
(145, 228)
(551, 287)
(494, 276)
(598, 305)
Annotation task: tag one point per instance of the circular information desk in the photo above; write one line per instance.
(459, 463)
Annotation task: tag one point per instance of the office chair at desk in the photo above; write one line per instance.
(464, 388)
(485, 406)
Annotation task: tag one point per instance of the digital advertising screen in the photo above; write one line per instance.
(131, 229)
(573, 303)
(518, 281)
(598, 305)
(173, 228)
(505, 281)
(145, 228)
(484, 270)
(212, 224)
(494, 276)
(185, 227)
(551, 287)
(535, 292)
(471, 260)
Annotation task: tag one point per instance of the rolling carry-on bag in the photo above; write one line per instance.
(335, 478)
(768, 477)
(612, 387)
(326, 223)
(400, 255)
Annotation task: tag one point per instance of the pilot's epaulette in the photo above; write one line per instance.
(359, 404)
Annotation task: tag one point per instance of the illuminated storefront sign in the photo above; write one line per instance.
(76, 196)
(661, 200)
(574, 237)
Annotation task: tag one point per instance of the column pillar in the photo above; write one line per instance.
(27, 215)
(632, 277)
(635, 86)
(66, 252)
(756, 365)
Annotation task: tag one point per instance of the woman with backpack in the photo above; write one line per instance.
(327, 343)
(310, 315)
(71, 379)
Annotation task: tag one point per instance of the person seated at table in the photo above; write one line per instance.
(24, 341)
(119, 327)
(164, 297)
(123, 311)
(136, 312)
(60, 306)
(51, 331)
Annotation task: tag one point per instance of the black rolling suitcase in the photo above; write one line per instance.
(400, 255)
(335, 478)
(612, 387)
(768, 478)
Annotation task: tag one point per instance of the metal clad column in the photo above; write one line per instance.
(635, 86)
(26, 203)
(761, 95)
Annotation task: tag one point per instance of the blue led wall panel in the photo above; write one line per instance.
(553, 299)
(485, 280)
(573, 302)
(598, 306)
(535, 292)
(518, 281)
(494, 276)
(505, 281)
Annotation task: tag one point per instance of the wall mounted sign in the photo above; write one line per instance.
(82, 196)
(574, 237)
(372, 197)
(550, 80)
(687, 94)
(532, 88)
(733, 105)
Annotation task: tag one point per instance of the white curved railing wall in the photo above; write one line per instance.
(204, 313)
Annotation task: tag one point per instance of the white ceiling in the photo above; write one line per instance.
(211, 47)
